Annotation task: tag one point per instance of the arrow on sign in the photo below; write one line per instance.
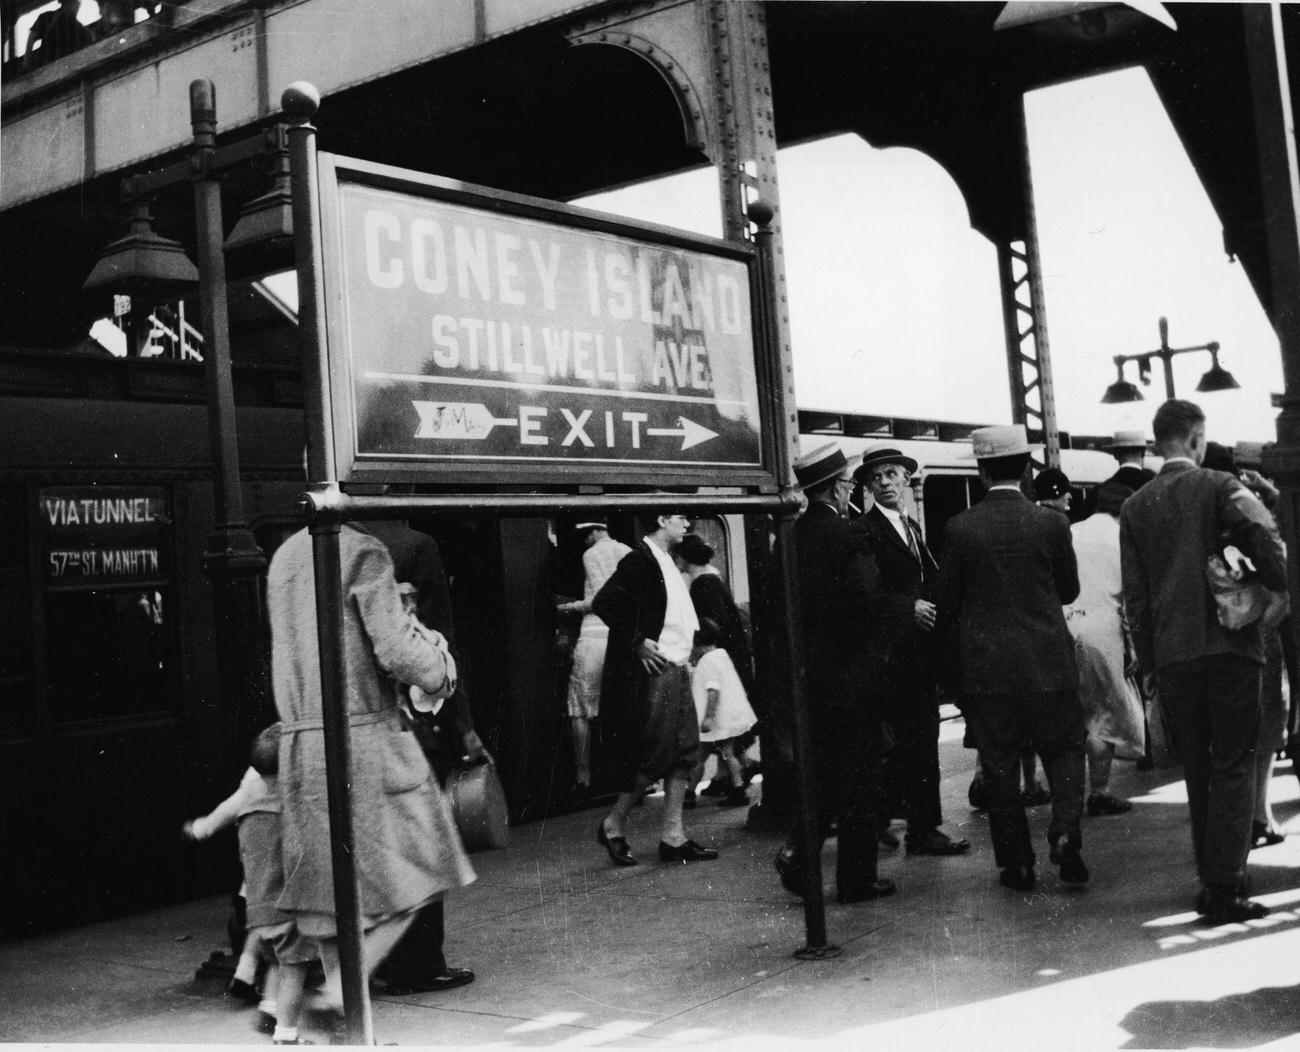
(458, 420)
(692, 434)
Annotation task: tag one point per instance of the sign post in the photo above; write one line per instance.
(483, 343)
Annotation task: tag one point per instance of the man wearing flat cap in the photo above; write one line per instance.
(845, 643)
(909, 579)
(1130, 449)
(1008, 568)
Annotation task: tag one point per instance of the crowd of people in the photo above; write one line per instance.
(1055, 640)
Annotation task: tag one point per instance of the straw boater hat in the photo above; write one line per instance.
(590, 524)
(1128, 440)
(820, 464)
(1004, 440)
(877, 455)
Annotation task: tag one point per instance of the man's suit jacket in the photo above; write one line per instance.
(1008, 568)
(417, 561)
(845, 622)
(1132, 476)
(1167, 530)
(904, 579)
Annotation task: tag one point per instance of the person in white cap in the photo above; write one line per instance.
(598, 563)
(845, 627)
(1008, 568)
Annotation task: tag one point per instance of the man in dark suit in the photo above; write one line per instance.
(909, 579)
(1008, 569)
(1208, 676)
(417, 963)
(1130, 448)
(646, 689)
(845, 628)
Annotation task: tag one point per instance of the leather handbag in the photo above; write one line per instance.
(478, 803)
(1239, 600)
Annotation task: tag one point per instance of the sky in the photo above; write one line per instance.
(894, 300)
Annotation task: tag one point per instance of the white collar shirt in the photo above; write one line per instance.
(678, 636)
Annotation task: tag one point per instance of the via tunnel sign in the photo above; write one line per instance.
(479, 335)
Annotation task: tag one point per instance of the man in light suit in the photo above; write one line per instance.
(1008, 569)
(909, 579)
(1208, 677)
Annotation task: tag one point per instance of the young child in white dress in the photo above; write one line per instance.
(721, 705)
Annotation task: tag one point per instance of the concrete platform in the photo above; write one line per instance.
(573, 952)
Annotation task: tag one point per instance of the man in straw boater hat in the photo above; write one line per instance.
(1008, 568)
(1130, 449)
(910, 579)
(844, 630)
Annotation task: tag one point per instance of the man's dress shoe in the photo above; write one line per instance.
(687, 852)
(787, 867)
(1100, 804)
(874, 889)
(935, 842)
(619, 853)
(1219, 906)
(1065, 853)
(1018, 878)
(448, 980)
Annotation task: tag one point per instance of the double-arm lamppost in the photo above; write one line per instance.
(151, 268)
(1216, 377)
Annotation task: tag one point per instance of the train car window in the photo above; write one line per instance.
(107, 571)
(16, 712)
(942, 497)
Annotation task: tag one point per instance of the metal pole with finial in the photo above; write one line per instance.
(300, 102)
(779, 374)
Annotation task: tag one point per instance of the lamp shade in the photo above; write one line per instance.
(143, 264)
(262, 240)
(1121, 391)
(1217, 378)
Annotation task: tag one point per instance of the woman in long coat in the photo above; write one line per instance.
(407, 847)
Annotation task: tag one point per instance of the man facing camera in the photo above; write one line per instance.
(909, 578)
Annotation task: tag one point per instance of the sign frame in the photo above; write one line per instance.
(354, 469)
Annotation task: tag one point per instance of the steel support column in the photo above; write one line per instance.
(1024, 318)
(1274, 117)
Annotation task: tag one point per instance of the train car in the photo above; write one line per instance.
(117, 724)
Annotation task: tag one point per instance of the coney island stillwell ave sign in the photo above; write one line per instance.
(478, 336)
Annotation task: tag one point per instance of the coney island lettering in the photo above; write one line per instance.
(477, 335)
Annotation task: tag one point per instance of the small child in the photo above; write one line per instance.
(721, 704)
(272, 934)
